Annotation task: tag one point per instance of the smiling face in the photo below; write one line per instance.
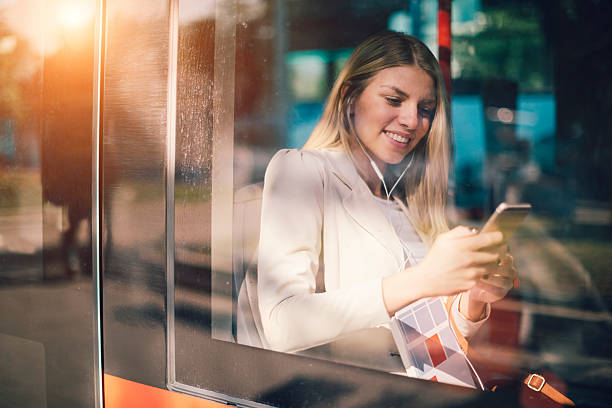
(394, 112)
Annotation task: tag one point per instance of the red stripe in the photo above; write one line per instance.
(120, 393)
(444, 29)
(436, 351)
(444, 42)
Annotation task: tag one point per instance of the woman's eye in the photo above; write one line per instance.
(428, 112)
(393, 101)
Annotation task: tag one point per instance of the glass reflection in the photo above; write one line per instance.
(133, 194)
(46, 71)
(517, 127)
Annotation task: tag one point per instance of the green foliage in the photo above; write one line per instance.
(506, 42)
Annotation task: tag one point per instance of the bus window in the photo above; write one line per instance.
(230, 84)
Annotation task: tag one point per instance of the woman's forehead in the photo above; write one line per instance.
(405, 80)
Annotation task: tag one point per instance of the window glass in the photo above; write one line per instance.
(254, 79)
(521, 135)
(295, 71)
(46, 297)
(133, 194)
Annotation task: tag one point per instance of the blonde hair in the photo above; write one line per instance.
(426, 183)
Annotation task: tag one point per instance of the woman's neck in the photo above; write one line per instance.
(367, 173)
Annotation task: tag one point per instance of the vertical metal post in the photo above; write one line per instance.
(444, 42)
(222, 195)
(173, 24)
(98, 80)
(280, 83)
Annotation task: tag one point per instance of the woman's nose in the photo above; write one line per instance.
(409, 116)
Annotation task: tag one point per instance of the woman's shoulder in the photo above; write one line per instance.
(304, 159)
(289, 169)
(312, 164)
(309, 153)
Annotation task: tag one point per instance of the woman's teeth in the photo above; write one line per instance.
(397, 137)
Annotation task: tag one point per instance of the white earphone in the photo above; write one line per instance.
(373, 164)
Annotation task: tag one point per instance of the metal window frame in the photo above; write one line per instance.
(170, 176)
(98, 78)
(222, 181)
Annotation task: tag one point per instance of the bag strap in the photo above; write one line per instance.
(463, 343)
(534, 382)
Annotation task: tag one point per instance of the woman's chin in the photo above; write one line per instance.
(396, 158)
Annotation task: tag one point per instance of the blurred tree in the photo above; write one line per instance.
(19, 97)
(506, 41)
(11, 52)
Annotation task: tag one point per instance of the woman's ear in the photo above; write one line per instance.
(349, 102)
(343, 90)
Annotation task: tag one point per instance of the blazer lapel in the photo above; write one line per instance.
(361, 205)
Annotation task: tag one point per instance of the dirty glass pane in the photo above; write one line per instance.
(192, 193)
(529, 104)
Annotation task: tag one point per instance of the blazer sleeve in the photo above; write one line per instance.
(467, 327)
(293, 316)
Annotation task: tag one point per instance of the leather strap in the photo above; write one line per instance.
(463, 343)
(538, 383)
(534, 382)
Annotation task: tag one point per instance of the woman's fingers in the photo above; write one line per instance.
(497, 268)
(484, 240)
(460, 232)
(499, 281)
(491, 292)
(505, 259)
(502, 251)
(505, 266)
(483, 257)
(502, 273)
(462, 259)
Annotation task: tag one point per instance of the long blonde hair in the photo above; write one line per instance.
(426, 183)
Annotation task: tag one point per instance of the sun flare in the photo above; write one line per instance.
(73, 15)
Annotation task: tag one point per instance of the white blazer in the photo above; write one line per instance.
(315, 203)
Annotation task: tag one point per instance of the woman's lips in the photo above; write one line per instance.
(397, 137)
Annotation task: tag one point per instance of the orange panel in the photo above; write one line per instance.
(444, 29)
(436, 351)
(120, 393)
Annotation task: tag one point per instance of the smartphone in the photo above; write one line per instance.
(506, 218)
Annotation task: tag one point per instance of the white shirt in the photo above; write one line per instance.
(415, 251)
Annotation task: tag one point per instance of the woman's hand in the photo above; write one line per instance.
(457, 260)
(492, 287)
(497, 282)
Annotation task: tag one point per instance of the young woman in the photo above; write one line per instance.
(353, 225)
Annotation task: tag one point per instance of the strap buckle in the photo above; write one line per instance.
(536, 382)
